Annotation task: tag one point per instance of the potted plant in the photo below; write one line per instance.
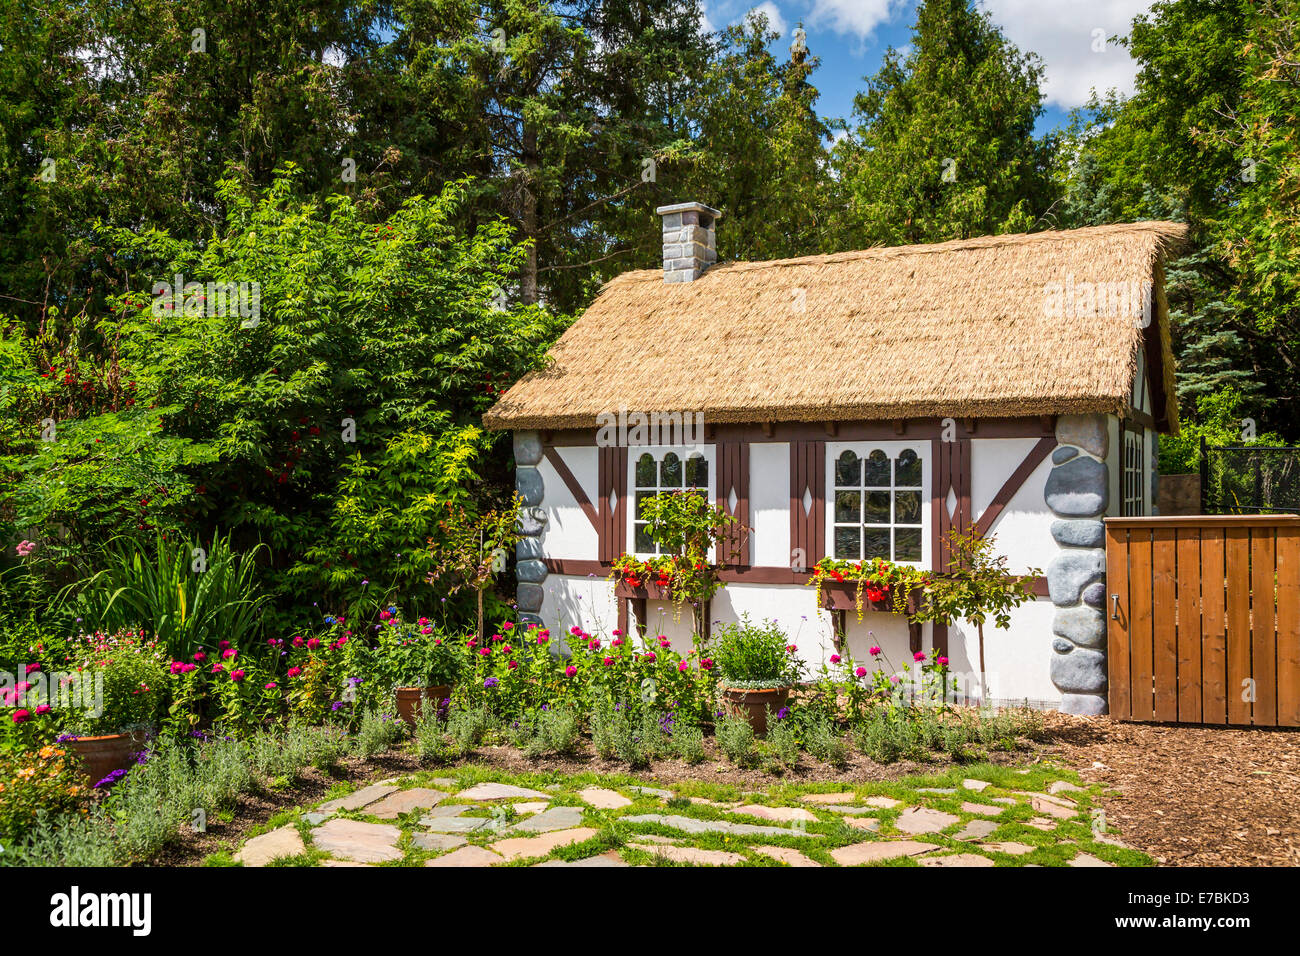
(417, 662)
(111, 700)
(757, 668)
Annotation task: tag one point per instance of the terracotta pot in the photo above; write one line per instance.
(100, 756)
(410, 700)
(753, 704)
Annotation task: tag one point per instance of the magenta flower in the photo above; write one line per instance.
(943, 662)
(861, 672)
(21, 716)
(236, 676)
(570, 670)
(876, 652)
(835, 658)
(919, 656)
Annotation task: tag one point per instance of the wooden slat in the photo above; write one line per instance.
(1117, 636)
(1189, 625)
(1164, 624)
(1263, 639)
(1140, 636)
(1288, 627)
(1214, 652)
(1237, 550)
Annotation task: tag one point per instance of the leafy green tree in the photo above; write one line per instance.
(942, 142)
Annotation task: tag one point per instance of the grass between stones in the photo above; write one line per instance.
(1020, 835)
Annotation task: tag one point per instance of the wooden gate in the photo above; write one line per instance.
(1204, 619)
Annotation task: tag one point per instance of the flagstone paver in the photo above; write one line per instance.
(859, 853)
(846, 796)
(972, 784)
(447, 810)
(924, 820)
(976, 830)
(454, 824)
(355, 840)
(692, 825)
(983, 809)
(556, 818)
(653, 792)
(864, 823)
(361, 798)
(943, 790)
(466, 856)
(1053, 808)
(704, 801)
(404, 801)
(516, 848)
(883, 803)
(1087, 859)
(603, 799)
(782, 814)
(1010, 801)
(343, 863)
(847, 809)
(1015, 849)
(530, 806)
(437, 841)
(1041, 823)
(501, 791)
(316, 819)
(1059, 786)
(956, 859)
(602, 859)
(690, 854)
(261, 850)
(786, 855)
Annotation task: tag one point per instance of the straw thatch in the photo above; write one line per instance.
(960, 329)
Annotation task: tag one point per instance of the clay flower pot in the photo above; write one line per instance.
(100, 756)
(410, 700)
(754, 704)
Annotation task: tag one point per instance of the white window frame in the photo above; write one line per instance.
(1133, 473)
(893, 449)
(634, 453)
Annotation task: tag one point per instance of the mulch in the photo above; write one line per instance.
(1191, 796)
(1187, 796)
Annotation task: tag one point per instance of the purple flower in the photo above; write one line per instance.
(490, 682)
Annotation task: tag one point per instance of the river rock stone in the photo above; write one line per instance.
(528, 482)
(532, 521)
(528, 448)
(1079, 672)
(1071, 571)
(529, 597)
(1063, 454)
(1079, 534)
(1078, 489)
(1083, 625)
(526, 548)
(532, 571)
(1084, 705)
(1086, 431)
(1094, 595)
(1061, 645)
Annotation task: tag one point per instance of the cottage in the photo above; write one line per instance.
(859, 405)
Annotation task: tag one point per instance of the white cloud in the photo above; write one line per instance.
(773, 14)
(1063, 33)
(856, 17)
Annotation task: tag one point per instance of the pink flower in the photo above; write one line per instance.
(790, 648)
(295, 671)
(426, 630)
(542, 638)
(618, 633)
(42, 709)
(485, 651)
(835, 658)
(570, 670)
(21, 716)
(616, 642)
(31, 667)
(706, 664)
(943, 662)
(236, 676)
(297, 640)
(663, 641)
(24, 548)
(650, 655)
(313, 643)
(229, 654)
(609, 661)
(505, 649)
(919, 656)
(575, 630)
(876, 652)
(861, 672)
(270, 686)
(223, 645)
(512, 665)
(682, 666)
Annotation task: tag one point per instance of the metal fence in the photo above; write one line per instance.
(1249, 479)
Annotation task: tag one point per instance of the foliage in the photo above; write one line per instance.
(878, 581)
(472, 549)
(1220, 421)
(379, 731)
(45, 780)
(752, 655)
(976, 585)
(126, 674)
(735, 739)
(414, 655)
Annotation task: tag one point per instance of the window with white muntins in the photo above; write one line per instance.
(656, 471)
(1133, 455)
(876, 506)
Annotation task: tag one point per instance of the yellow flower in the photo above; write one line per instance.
(48, 752)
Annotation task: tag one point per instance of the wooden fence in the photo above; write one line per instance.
(1204, 619)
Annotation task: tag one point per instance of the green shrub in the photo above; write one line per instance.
(823, 741)
(753, 655)
(782, 740)
(466, 726)
(688, 743)
(65, 840)
(736, 739)
(379, 732)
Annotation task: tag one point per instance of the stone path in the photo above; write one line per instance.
(1014, 819)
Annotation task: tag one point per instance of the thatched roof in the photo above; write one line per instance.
(961, 329)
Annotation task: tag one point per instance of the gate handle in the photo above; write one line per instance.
(1114, 613)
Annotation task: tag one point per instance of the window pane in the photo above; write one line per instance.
(875, 543)
(847, 504)
(877, 470)
(875, 508)
(907, 507)
(641, 498)
(847, 541)
(670, 472)
(848, 470)
(644, 544)
(645, 471)
(907, 544)
(697, 472)
(907, 470)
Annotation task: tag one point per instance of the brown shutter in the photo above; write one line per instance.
(808, 473)
(951, 464)
(612, 526)
(733, 476)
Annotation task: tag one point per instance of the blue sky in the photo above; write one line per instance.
(851, 36)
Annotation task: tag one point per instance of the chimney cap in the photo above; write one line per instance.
(689, 207)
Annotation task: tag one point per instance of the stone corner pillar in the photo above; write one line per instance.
(1078, 494)
(530, 568)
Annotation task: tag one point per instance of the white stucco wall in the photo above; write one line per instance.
(569, 533)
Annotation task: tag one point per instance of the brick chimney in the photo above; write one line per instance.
(689, 246)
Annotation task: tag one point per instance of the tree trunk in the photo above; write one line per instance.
(528, 294)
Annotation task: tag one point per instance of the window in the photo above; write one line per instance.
(1133, 454)
(657, 472)
(879, 503)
